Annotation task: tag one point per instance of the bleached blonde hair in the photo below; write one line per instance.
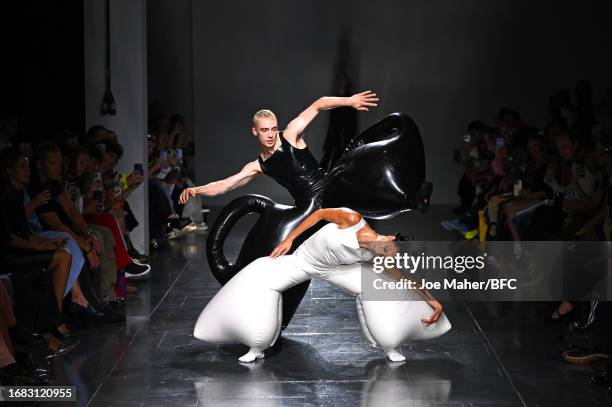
(263, 114)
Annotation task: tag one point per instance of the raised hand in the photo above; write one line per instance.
(134, 179)
(361, 101)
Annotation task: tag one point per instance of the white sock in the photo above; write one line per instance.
(395, 355)
(251, 355)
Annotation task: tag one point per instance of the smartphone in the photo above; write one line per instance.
(101, 147)
(163, 158)
(518, 186)
(117, 190)
(73, 191)
(499, 143)
(138, 169)
(178, 154)
(467, 138)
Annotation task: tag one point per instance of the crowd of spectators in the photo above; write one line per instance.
(67, 260)
(169, 174)
(521, 183)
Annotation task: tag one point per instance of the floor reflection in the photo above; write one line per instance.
(296, 372)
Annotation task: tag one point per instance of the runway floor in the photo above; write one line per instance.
(497, 354)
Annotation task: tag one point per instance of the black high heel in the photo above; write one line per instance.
(66, 338)
(77, 310)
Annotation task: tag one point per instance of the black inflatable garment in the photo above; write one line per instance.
(381, 174)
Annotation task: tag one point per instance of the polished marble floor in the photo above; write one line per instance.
(497, 354)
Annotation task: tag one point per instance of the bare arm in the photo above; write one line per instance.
(53, 222)
(73, 213)
(424, 294)
(215, 188)
(36, 243)
(340, 216)
(360, 101)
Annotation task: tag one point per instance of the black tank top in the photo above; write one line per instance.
(296, 169)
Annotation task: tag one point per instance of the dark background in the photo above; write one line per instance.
(445, 63)
(42, 77)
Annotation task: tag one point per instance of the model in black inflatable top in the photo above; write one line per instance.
(380, 174)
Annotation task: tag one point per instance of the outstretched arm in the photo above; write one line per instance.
(360, 101)
(214, 188)
(423, 293)
(340, 216)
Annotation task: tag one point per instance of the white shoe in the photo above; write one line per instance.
(394, 355)
(136, 269)
(252, 355)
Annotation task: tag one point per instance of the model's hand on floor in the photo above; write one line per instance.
(186, 194)
(282, 248)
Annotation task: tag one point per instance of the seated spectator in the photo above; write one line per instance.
(89, 197)
(113, 211)
(24, 253)
(533, 190)
(470, 156)
(161, 183)
(60, 214)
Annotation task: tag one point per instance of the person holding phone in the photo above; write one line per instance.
(21, 250)
(103, 209)
(60, 213)
(67, 242)
(133, 180)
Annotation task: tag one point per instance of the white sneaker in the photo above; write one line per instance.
(136, 269)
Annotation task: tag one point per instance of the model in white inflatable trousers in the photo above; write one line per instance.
(248, 309)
